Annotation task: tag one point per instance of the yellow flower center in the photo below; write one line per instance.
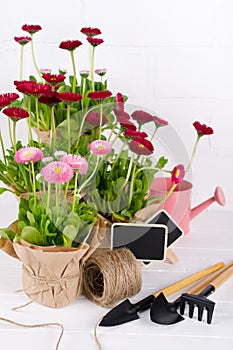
(28, 154)
(141, 146)
(177, 173)
(100, 147)
(58, 170)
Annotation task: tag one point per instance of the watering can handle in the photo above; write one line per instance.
(175, 287)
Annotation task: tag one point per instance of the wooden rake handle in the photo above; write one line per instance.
(175, 287)
(222, 278)
(199, 286)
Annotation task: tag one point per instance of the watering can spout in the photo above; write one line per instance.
(217, 197)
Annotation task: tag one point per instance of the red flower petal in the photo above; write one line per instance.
(203, 129)
(99, 95)
(94, 41)
(53, 78)
(22, 40)
(141, 146)
(177, 174)
(94, 119)
(33, 88)
(90, 31)
(70, 44)
(49, 98)
(4, 101)
(12, 96)
(142, 117)
(69, 96)
(16, 113)
(135, 134)
(31, 28)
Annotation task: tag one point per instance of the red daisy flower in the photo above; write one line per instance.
(70, 44)
(142, 117)
(203, 129)
(22, 40)
(94, 119)
(141, 146)
(12, 96)
(49, 98)
(99, 95)
(69, 96)
(135, 133)
(31, 28)
(53, 79)
(18, 82)
(33, 88)
(159, 122)
(4, 101)
(178, 174)
(16, 113)
(126, 123)
(94, 41)
(120, 101)
(88, 31)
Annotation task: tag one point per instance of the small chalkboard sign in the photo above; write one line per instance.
(147, 242)
(163, 218)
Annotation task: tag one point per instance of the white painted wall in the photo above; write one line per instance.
(174, 57)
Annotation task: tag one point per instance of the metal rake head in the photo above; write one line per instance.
(199, 301)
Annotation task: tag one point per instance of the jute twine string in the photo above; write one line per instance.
(37, 326)
(111, 276)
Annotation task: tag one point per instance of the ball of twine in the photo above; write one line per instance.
(111, 276)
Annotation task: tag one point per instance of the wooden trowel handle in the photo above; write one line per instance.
(175, 287)
(199, 286)
(217, 282)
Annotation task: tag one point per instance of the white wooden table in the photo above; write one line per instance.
(210, 240)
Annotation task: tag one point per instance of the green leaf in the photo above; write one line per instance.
(8, 234)
(3, 189)
(161, 163)
(31, 218)
(32, 235)
(69, 234)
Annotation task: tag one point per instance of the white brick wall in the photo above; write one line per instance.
(173, 57)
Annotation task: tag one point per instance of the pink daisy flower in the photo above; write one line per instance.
(76, 162)
(84, 73)
(57, 172)
(178, 174)
(100, 147)
(28, 154)
(22, 40)
(101, 72)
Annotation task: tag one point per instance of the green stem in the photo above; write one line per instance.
(74, 71)
(116, 137)
(14, 134)
(83, 121)
(83, 91)
(75, 190)
(68, 126)
(33, 182)
(33, 57)
(131, 186)
(118, 156)
(29, 121)
(56, 200)
(10, 132)
(101, 118)
(128, 173)
(168, 194)
(53, 129)
(49, 197)
(65, 193)
(37, 122)
(193, 153)
(21, 63)
(90, 177)
(92, 67)
(3, 148)
(154, 133)
(149, 168)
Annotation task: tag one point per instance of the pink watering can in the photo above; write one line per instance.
(178, 205)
